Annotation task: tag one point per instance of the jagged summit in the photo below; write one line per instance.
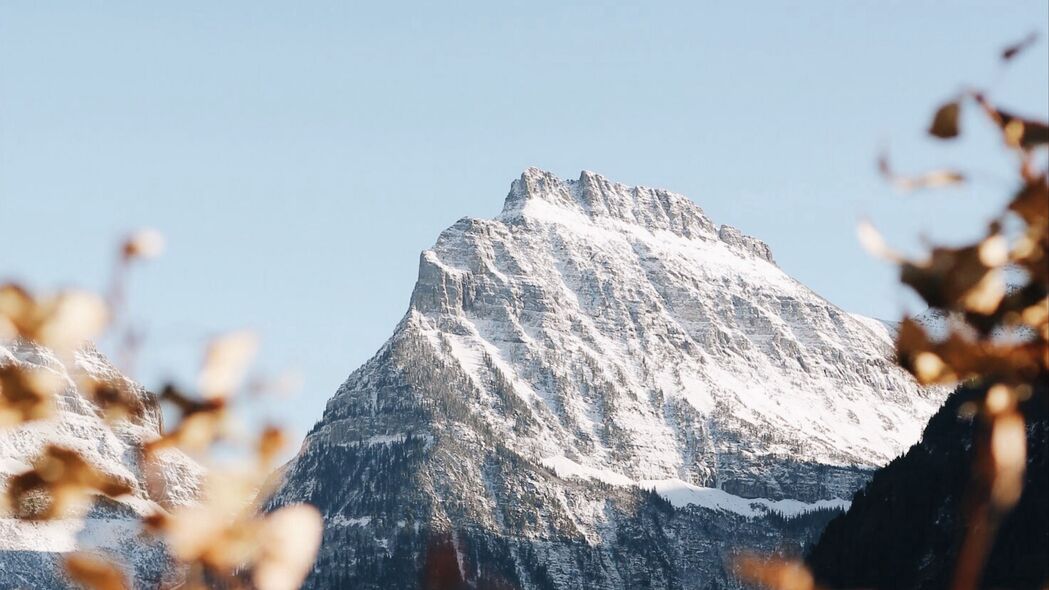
(593, 199)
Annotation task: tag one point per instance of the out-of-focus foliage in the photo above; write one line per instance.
(223, 539)
(26, 395)
(60, 484)
(94, 572)
(777, 573)
(61, 322)
(993, 299)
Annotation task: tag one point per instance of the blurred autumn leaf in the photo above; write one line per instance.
(60, 484)
(95, 573)
(1019, 47)
(945, 122)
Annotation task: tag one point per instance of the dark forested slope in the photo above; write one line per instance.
(904, 529)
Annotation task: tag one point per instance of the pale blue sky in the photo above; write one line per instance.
(299, 156)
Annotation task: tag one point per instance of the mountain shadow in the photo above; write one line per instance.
(904, 530)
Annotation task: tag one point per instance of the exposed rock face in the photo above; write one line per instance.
(736, 239)
(593, 342)
(31, 552)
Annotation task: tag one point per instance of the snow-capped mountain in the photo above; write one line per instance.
(592, 343)
(31, 551)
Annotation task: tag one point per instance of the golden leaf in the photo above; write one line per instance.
(289, 540)
(961, 357)
(1017, 131)
(1009, 453)
(945, 122)
(95, 572)
(1000, 397)
(874, 243)
(225, 363)
(145, 244)
(69, 319)
(200, 423)
(17, 307)
(931, 179)
(60, 483)
(930, 368)
(984, 296)
(1037, 315)
(948, 275)
(116, 398)
(209, 536)
(994, 251)
(928, 180)
(775, 573)
(194, 433)
(221, 531)
(271, 441)
(1019, 47)
(27, 394)
(1032, 202)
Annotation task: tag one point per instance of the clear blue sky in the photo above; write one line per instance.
(299, 156)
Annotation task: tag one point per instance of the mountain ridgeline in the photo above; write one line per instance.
(598, 388)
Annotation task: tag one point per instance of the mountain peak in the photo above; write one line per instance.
(592, 198)
(593, 342)
(640, 290)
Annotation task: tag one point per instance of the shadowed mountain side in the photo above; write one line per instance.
(904, 529)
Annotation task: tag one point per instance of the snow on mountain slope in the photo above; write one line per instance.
(690, 331)
(681, 493)
(592, 342)
(29, 551)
